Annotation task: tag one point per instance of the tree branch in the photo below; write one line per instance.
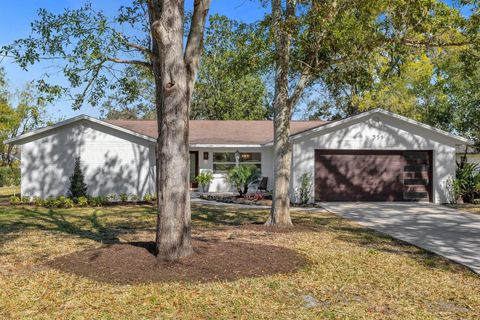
(136, 62)
(305, 79)
(419, 44)
(193, 50)
(141, 48)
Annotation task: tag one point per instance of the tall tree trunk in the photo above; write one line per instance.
(174, 73)
(282, 112)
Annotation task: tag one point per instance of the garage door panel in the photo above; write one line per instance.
(362, 175)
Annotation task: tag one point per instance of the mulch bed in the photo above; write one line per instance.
(134, 262)
(249, 200)
(226, 198)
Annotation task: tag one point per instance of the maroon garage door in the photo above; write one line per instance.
(373, 175)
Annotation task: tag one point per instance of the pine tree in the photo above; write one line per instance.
(78, 188)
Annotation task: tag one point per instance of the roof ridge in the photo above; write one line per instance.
(107, 120)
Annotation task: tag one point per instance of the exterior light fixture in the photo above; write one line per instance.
(237, 158)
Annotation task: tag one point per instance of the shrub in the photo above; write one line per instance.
(61, 200)
(112, 197)
(241, 177)
(133, 197)
(304, 191)
(97, 201)
(68, 203)
(64, 202)
(204, 179)
(466, 184)
(10, 175)
(82, 201)
(39, 202)
(14, 200)
(52, 202)
(26, 200)
(149, 197)
(123, 197)
(77, 188)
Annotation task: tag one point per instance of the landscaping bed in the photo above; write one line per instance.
(250, 199)
(212, 260)
(254, 199)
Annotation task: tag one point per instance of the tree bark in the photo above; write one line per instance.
(174, 74)
(282, 112)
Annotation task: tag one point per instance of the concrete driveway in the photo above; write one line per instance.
(448, 232)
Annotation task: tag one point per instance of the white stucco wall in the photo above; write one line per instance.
(220, 183)
(378, 131)
(113, 161)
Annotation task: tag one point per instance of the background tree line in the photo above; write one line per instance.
(429, 83)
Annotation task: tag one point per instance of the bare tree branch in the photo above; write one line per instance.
(136, 46)
(137, 62)
(305, 79)
(428, 44)
(139, 47)
(193, 50)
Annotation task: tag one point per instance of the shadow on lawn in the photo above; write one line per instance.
(107, 225)
(381, 242)
(99, 225)
(210, 216)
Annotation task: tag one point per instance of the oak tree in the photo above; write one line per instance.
(89, 47)
(314, 40)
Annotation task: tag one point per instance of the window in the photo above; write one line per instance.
(224, 161)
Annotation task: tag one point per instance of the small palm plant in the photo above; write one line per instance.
(243, 176)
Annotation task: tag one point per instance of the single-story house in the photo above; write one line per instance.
(373, 156)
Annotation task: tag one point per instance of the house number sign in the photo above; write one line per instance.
(378, 137)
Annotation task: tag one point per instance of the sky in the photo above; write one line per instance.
(16, 16)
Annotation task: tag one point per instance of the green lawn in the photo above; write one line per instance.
(471, 208)
(7, 192)
(353, 272)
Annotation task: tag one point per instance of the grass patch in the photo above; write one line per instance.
(470, 208)
(353, 272)
(7, 192)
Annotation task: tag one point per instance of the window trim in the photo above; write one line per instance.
(256, 163)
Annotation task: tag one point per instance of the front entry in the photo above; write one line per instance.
(193, 169)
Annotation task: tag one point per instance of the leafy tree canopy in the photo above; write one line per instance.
(406, 56)
(230, 84)
(89, 49)
(19, 113)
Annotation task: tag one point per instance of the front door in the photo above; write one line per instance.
(193, 169)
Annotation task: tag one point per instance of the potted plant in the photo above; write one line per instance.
(204, 179)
